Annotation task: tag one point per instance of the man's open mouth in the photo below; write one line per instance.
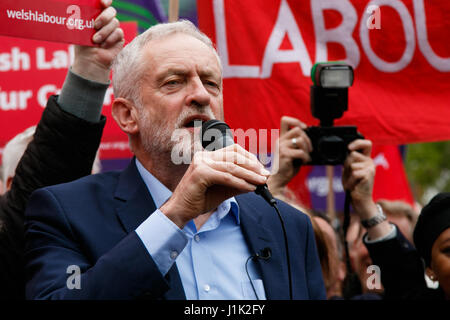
(195, 121)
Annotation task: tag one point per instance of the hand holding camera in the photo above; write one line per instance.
(293, 145)
(316, 145)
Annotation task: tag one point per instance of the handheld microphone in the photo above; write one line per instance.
(216, 135)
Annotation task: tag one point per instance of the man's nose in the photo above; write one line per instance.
(198, 95)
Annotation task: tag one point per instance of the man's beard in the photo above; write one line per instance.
(176, 144)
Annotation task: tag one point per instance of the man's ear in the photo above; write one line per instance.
(125, 114)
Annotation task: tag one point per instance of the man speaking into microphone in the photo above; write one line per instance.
(165, 230)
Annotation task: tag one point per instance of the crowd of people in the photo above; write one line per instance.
(394, 241)
(196, 230)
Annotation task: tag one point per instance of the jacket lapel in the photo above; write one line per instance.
(136, 205)
(259, 235)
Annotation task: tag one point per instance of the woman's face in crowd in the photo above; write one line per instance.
(440, 261)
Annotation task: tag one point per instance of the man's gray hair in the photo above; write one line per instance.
(128, 67)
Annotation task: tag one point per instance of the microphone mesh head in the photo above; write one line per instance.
(216, 135)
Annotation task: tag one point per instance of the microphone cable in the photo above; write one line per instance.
(265, 193)
(248, 275)
(288, 260)
(265, 254)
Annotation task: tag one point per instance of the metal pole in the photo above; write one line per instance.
(331, 204)
(173, 10)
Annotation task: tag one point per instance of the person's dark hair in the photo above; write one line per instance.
(433, 220)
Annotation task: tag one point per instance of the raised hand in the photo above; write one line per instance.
(94, 63)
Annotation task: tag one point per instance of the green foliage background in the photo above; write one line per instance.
(428, 168)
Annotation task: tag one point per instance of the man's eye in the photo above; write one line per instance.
(172, 82)
(212, 84)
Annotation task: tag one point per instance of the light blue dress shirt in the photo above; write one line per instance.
(211, 261)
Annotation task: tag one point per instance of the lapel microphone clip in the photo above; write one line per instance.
(263, 254)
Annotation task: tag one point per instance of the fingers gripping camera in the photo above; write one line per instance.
(330, 144)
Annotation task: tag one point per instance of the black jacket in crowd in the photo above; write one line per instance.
(63, 149)
(402, 270)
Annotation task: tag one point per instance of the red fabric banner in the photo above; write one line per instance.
(391, 183)
(400, 52)
(53, 20)
(31, 71)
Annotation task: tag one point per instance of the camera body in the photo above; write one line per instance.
(330, 144)
(329, 101)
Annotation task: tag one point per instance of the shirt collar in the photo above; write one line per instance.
(160, 194)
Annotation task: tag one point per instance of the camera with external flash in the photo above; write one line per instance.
(329, 101)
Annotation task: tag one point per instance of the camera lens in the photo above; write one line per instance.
(332, 149)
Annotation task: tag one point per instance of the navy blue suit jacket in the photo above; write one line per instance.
(90, 223)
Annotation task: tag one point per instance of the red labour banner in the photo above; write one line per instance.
(31, 71)
(399, 50)
(53, 20)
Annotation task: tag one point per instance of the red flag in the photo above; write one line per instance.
(391, 182)
(399, 50)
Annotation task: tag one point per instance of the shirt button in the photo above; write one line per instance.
(206, 288)
(197, 238)
(174, 254)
